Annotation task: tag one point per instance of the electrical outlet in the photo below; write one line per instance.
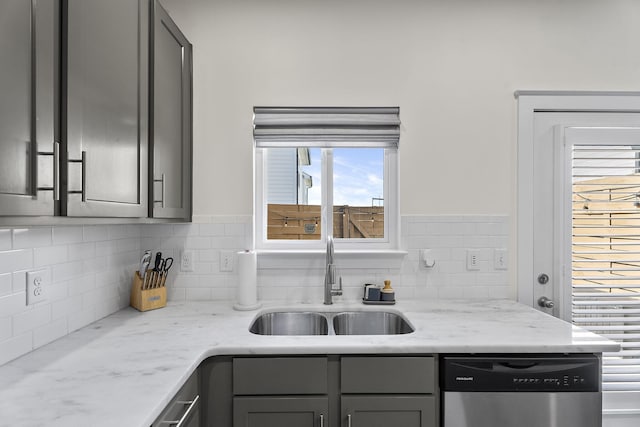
(37, 283)
(186, 261)
(226, 260)
(500, 259)
(473, 259)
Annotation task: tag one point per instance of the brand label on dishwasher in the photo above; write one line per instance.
(464, 378)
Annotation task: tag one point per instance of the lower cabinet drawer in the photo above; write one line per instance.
(387, 374)
(279, 375)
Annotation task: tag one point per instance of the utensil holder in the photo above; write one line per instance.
(147, 299)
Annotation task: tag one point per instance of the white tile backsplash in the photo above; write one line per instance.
(74, 299)
(91, 268)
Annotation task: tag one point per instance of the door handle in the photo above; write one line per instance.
(56, 171)
(545, 302)
(348, 420)
(321, 420)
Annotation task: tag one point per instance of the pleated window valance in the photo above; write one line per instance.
(326, 126)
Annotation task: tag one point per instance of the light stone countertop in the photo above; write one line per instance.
(124, 369)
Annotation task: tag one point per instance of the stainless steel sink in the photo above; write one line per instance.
(290, 323)
(329, 323)
(370, 323)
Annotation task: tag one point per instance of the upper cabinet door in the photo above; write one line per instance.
(105, 114)
(170, 119)
(28, 133)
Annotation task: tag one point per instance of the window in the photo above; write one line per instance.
(320, 169)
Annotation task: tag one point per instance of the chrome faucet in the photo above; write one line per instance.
(330, 275)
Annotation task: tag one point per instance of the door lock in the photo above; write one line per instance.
(543, 278)
(545, 302)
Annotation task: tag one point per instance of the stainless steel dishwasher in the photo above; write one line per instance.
(521, 391)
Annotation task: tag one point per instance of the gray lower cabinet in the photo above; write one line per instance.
(390, 410)
(170, 125)
(184, 409)
(105, 111)
(292, 411)
(320, 391)
(29, 48)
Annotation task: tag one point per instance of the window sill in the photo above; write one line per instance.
(314, 258)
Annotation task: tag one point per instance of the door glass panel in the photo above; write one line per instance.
(358, 193)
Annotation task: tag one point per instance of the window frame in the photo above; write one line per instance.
(391, 205)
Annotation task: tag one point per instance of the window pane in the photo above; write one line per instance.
(293, 193)
(358, 193)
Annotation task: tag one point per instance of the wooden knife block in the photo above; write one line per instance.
(147, 299)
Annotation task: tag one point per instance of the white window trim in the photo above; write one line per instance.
(389, 244)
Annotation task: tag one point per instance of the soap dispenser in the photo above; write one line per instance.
(387, 293)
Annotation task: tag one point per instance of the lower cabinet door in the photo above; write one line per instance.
(280, 411)
(389, 410)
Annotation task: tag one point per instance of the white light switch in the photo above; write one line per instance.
(37, 283)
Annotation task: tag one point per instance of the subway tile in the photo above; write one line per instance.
(185, 230)
(12, 304)
(156, 230)
(106, 307)
(197, 294)
(15, 347)
(50, 332)
(49, 255)
(30, 319)
(95, 233)
(5, 240)
(212, 229)
(5, 284)
(67, 270)
(19, 281)
(66, 235)
(32, 237)
(65, 307)
(6, 330)
(235, 230)
(81, 319)
(82, 251)
(15, 260)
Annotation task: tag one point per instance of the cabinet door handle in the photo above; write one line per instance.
(348, 420)
(56, 171)
(187, 414)
(161, 201)
(83, 165)
(321, 420)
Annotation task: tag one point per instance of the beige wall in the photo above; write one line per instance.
(452, 67)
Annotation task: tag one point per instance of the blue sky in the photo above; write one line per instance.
(357, 176)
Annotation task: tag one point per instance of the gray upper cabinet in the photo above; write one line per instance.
(105, 113)
(170, 127)
(29, 45)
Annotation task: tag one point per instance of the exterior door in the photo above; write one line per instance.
(105, 114)
(561, 259)
(28, 107)
(551, 284)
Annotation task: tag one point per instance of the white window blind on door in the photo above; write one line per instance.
(606, 254)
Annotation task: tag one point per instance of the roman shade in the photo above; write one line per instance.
(326, 126)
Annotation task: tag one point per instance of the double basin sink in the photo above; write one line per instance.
(329, 323)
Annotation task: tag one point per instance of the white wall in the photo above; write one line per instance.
(452, 67)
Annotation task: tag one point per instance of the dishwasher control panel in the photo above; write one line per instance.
(544, 373)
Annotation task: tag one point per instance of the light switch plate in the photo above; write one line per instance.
(37, 283)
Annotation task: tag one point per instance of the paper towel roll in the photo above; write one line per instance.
(247, 290)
